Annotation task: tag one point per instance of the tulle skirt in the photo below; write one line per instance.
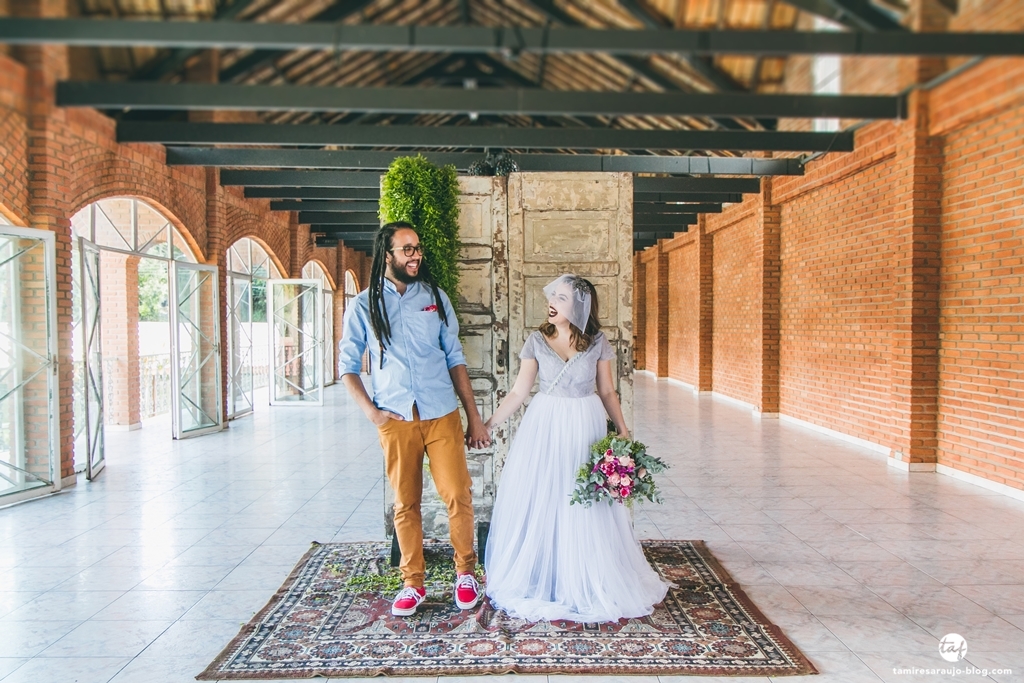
(547, 560)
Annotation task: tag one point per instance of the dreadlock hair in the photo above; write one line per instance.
(382, 244)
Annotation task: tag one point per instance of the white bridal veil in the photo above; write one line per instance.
(573, 302)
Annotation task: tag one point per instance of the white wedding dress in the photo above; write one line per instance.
(545, 559)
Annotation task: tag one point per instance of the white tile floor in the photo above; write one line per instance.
(145, 574)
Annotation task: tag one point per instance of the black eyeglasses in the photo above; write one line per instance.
(409, 250)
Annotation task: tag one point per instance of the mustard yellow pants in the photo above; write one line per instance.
(404, 443)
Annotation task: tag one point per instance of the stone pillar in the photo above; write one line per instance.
(914, 346)
(706, 305)
(768, 258)
(119, 311)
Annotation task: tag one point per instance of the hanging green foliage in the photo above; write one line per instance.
(418, 192)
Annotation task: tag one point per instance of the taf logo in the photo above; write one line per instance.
(953, 647)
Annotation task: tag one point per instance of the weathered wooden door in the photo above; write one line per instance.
(578, 223)
(484, 310)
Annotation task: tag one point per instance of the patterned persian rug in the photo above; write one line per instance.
(332, 618)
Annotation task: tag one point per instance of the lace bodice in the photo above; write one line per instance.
(580, 379)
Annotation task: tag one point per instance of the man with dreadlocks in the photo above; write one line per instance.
(409, 326)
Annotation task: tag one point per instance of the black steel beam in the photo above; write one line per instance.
(342, 194)
(301, 179)
(640, 198)
(175, 61)
(646, 208)
(210, 96)
(259, 58)
(508, 40)
(643, 236)
(178, 133)
(675, 185)
(361, 218)
(366, 237)
(346, 230)
(313, 205)
(664, 219)
(859, 15)
(248, 157)
(641, 66)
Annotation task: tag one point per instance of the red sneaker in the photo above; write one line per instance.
(467, 591)
(407, 600)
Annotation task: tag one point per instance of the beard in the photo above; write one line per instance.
(403, 275)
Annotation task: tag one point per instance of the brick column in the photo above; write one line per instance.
(205, 68)
(295, 246)
(706, 306)
(656, 310)
(47, 197)
(119, 313)
(768, 258)
(914, 346)
(217, 255)
(639, 313)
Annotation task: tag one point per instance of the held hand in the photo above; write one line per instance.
(382, 416)
(624, 434)
(478, 435)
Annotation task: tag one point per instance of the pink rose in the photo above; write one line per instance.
(625, 481)
(642, 472)
(624, 491)
(626, 461)
(613, 493)
(613, 479)
(607, 468)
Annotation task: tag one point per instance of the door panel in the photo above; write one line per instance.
(89, 435)
(195, 350)
(29, 451)
(296, 341)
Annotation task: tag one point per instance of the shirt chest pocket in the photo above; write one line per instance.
(424, 328)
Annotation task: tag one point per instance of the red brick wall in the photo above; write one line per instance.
(656, 311)
(13, 140)
(684, 311)
(899, 283)
(639, 313)
(981, 364)
(835, 290)
(57, 161)
(736, 346)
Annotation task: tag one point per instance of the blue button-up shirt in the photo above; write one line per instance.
(416, 360)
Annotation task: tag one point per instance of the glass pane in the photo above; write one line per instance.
(92, 357)
(198, 374)
(240, 383)
(26, 406)
(297, 349)
(112, 223)
(328, 335)
(81, 224)
(181, 250)
(239, 258)
(151, 227)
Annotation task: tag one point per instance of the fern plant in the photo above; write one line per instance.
(427, 196)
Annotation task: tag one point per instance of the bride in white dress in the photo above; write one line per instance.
(545, 559)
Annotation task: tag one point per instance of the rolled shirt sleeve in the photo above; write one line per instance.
(450, 335)
(353, 338)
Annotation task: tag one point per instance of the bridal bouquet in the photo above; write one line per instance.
(619, 471)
